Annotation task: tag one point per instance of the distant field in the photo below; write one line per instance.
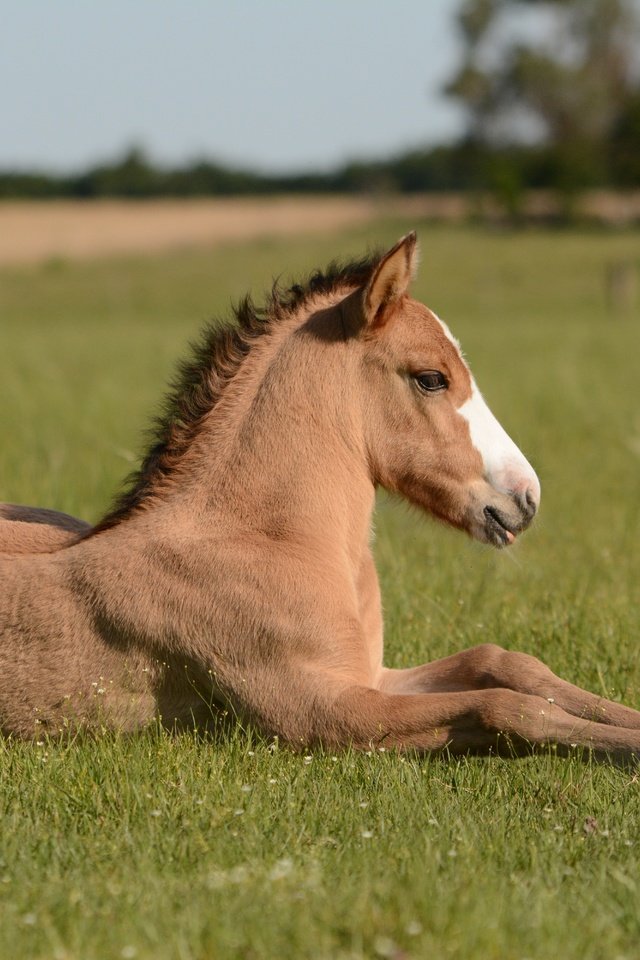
(158, 847)
(34, 232)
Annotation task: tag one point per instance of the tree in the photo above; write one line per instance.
(558, 73)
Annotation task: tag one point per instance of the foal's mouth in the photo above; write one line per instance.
(497, 528)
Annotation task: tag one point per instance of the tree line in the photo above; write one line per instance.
(550, 91)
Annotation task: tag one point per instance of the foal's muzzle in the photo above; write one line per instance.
(504, 521)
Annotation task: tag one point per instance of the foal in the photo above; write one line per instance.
(236, 571)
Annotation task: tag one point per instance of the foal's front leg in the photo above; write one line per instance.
(479, 721)
(490, 666)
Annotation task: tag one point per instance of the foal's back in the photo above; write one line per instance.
(34, 530)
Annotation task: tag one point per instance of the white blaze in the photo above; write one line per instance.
(505, 466)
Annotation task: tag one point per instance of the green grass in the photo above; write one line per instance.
(162, 847)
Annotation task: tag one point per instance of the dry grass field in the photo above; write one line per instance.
(34, 232)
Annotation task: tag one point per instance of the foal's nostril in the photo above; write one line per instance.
(527, 503)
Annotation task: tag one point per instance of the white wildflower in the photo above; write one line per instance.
(281, 868)
(385, 947)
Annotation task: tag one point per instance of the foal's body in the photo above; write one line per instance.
(237, 572)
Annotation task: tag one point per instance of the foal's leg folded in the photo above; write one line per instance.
(489, 666)
(481, 721)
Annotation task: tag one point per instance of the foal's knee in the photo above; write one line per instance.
(484, 662)
(512, 670)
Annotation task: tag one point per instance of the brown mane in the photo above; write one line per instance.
(200, 380)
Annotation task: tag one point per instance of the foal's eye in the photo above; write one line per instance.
(431, 381)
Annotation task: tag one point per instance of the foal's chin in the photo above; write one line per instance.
(499, 522)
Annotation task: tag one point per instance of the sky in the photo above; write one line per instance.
(271, 85)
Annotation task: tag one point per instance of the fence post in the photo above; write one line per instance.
(621, 282)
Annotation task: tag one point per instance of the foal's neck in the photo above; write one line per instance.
(280, 456)
(283, 455)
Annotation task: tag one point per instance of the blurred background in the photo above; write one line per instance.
(158, 159)
(504, 111)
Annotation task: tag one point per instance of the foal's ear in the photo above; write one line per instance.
(390, 280)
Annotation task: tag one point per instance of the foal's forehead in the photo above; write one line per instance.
(436, 330)
(420, 340)
(424, 330)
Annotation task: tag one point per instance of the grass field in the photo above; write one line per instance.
(170, 847)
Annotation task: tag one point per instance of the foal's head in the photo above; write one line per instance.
(430, 435)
